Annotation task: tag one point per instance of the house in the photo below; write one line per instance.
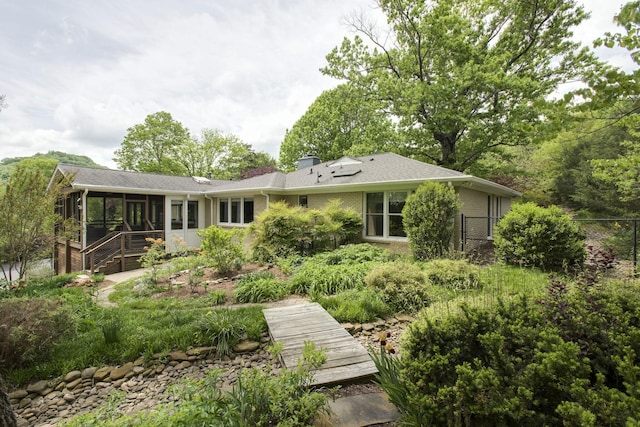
(116, 210)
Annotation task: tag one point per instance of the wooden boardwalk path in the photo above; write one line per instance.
(347, 359)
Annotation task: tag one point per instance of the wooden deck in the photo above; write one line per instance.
(347, 359)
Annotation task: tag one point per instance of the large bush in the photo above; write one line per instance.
(456, 274)
(30, 328)
(223, 248)
(568, 359)
(541, 237)
(283, 231)
(428, 219)
(403, 286)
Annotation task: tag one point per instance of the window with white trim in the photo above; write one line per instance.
(383, 214)
(235, 210)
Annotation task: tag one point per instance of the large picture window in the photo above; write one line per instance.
(237, 210)
(384, 214)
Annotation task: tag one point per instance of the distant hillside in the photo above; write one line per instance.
(8, 164)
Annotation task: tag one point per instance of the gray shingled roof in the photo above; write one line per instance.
(343, 174)
(346, 171)
(117, 180)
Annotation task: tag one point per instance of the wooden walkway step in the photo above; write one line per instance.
(347, 359)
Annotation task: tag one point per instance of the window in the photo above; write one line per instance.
(224, 210)
(235, 210)
(384, 214)
(192, 214)
(303, 201)
(247, 215)
(176, 214)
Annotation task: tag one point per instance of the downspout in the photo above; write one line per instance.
(267, 196)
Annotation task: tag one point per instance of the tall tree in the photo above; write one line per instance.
(340, 122)
(622, 90)
(464, 77)
(27, 218)
(154, 146)
(221, 156)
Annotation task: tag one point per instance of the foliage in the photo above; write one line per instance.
(225, 327)
(464, 77)
(27, 218)
(403, 286)
(352, 254)
(153, 146)
(542, 237)
(283, 231)
(258, 288)
(570, 357)
(221, 156)
(258, 398)
(223, 248)
(428, 219)
(338, 123)
(153, 258)
(30, 329)
(355, 305)
(315, 278)
(453, 274)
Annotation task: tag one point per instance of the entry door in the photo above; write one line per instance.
(135, 215)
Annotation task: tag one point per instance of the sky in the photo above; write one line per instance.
(78, 73)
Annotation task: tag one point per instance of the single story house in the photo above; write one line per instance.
(116, 210)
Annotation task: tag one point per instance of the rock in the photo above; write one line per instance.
(349, 327)
(69, 397)
(18, 394)
(88, 373)
(72, 376)
(246, 346)
(178, 356)
(368, 327)
(200, 351)
(73, 384)
(102, 373)
(183, 365)
(120, 372)
(38, 387)
(405, 318)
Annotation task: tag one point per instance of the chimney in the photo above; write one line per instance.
(308, 161)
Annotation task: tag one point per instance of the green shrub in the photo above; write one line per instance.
(353, 254)
(223, 248)
(283, 231)
(259, 287)
(30, 329)
(355, 305)
(569, 358)
(453, 274)
(541, 237)
(224, 327)
(319, 279)
(401, 285)
(428, 219)
(216, 297)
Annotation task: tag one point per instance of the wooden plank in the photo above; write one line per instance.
(294, 325)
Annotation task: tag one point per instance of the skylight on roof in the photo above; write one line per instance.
(345, 161)
(345, 172)
(201, 179)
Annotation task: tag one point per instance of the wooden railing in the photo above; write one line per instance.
(117, 245)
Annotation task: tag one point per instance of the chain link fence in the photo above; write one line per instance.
(619, 235)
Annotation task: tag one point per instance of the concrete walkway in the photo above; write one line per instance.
(112, 280)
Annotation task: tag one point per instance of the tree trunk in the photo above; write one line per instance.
(448, 153)
(7, 417)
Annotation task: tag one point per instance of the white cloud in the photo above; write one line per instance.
(77, 74)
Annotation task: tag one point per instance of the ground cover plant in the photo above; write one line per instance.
(355, 305)
(259, 287)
